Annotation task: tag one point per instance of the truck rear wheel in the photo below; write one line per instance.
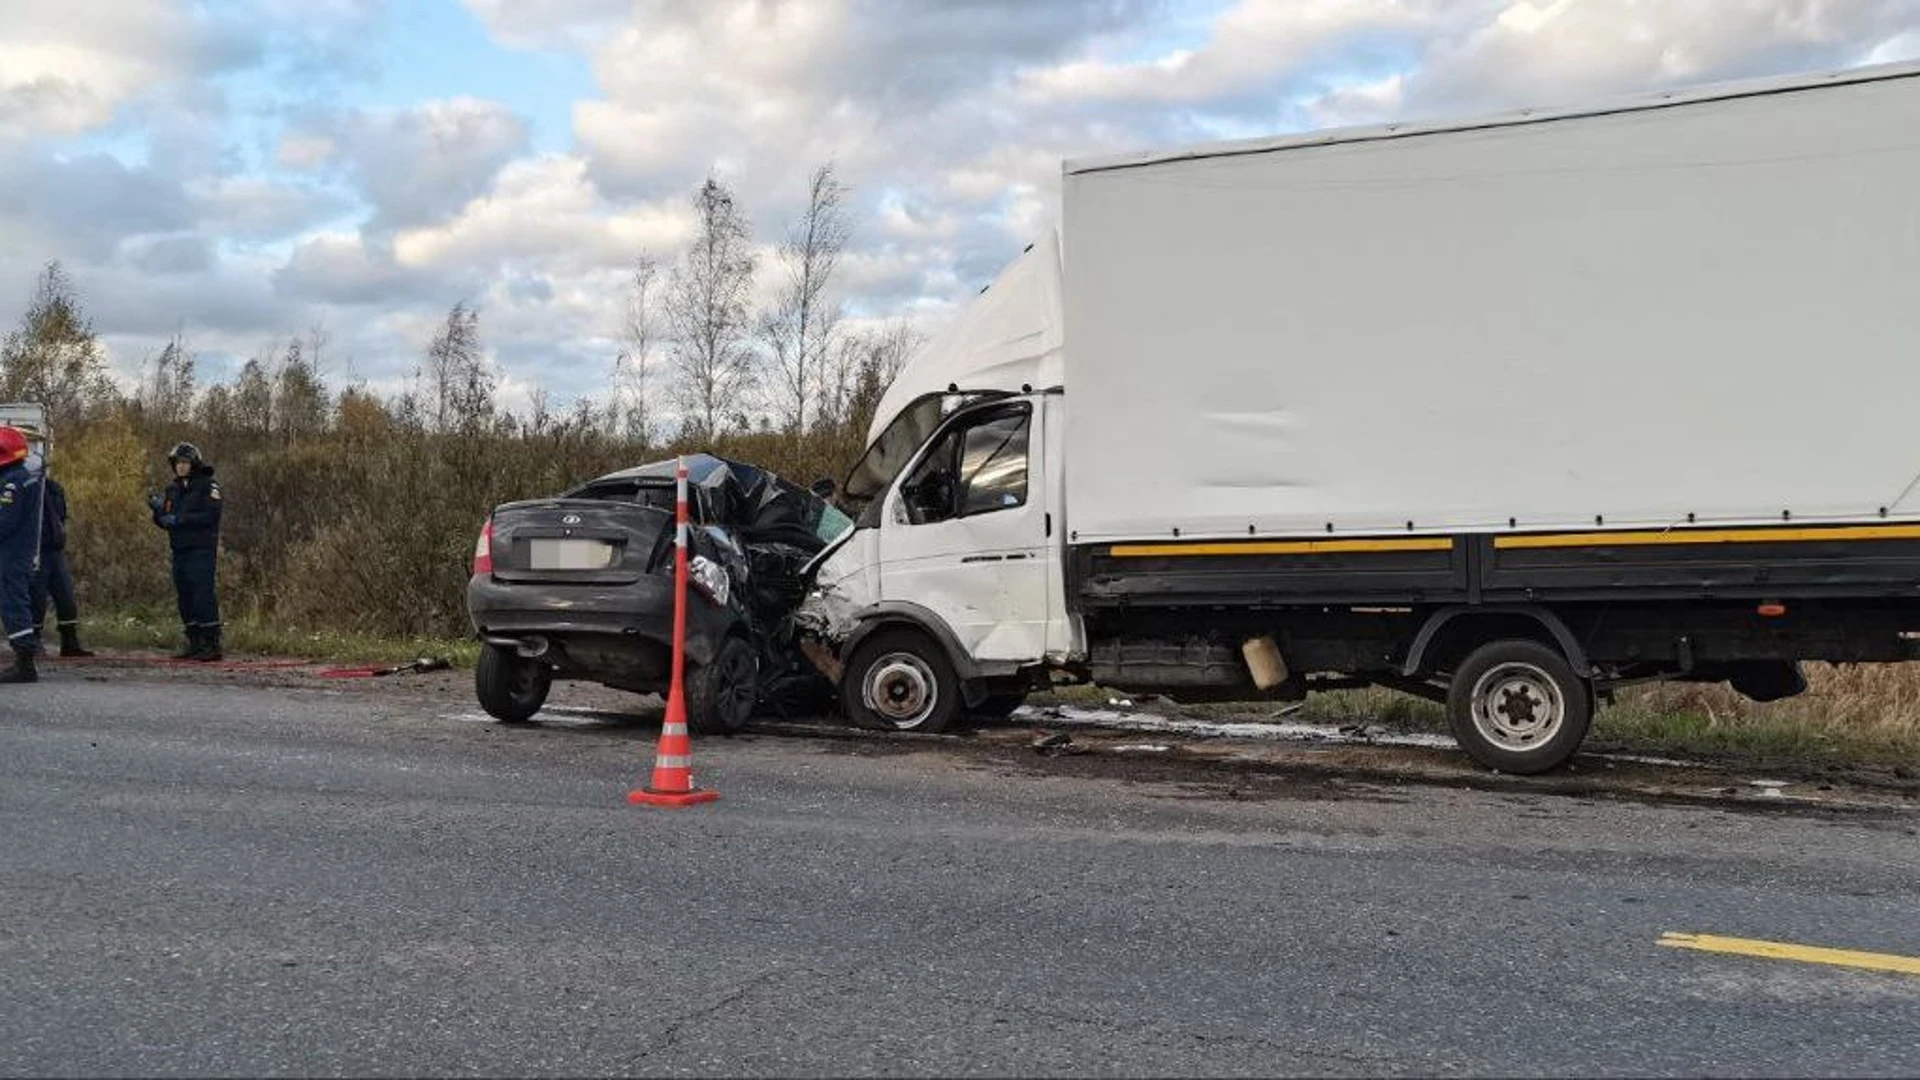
(900, 680)
(511, 688)
(1517, 706)
(722, 694)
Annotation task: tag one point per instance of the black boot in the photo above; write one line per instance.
(209, 646)
(70, 641)
(22, 669)
(192, 649)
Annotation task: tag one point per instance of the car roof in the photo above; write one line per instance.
(703, 470)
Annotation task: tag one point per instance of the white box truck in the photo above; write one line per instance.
(1507, 413)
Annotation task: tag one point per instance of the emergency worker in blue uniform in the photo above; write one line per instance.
(19, 543)
(190, 512)
(55, 579)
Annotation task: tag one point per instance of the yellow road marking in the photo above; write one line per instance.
(1780, 950)
(1708, 536)
(1280, 547)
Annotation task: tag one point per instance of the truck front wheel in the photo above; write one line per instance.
(1517, 706)
(900, 680)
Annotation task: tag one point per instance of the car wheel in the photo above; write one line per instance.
(510, 687)
(901, 680)
(722, 693)
(1517, 706)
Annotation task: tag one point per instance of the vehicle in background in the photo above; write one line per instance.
(580, 586)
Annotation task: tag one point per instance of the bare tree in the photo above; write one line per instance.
(800, 329)
(539, 413)
(706, 309)
(862, 368)
(318, 339)
(300, 401)
(459, 385)
(640, 332)
(167, 393)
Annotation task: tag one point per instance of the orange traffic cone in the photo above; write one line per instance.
(673, 762)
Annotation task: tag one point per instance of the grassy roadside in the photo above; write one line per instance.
(136, 631)
(1860, 714)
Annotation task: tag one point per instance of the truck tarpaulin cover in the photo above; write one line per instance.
(1706, 307)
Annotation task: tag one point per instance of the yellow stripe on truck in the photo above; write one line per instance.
(1706, 536)
(1280, 547)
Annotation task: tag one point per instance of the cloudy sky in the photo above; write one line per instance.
(247, 169)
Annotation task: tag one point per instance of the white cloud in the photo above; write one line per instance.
(419, 163)
(1901, 47)
(341, 268)
(254, 208)
(548, 23)
(305, 150)
(1549, 52)
(1256, 44)
(547, 211)
(66, 66)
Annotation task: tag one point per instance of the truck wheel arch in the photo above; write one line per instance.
(899, 613)
(1546, 620)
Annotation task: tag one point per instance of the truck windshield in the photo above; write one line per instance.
(895, 446)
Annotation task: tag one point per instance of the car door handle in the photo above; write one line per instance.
(982, 558)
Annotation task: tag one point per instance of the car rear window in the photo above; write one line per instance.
(656, 495)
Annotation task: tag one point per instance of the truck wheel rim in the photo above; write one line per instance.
(902, 690)
(1518, 707)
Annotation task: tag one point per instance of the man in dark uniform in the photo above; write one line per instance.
(19, 542)
(190, 512)
(55, 578)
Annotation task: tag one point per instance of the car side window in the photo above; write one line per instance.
(977, 468)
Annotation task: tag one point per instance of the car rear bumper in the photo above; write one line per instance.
(642, 609)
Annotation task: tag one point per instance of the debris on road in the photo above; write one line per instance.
(1050, 743)
(423, 664)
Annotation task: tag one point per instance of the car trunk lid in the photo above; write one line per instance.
(583, 541)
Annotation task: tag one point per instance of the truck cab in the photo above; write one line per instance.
(949, 595)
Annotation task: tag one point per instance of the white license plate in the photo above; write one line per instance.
(569, 554)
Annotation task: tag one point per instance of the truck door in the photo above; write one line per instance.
(966, 533)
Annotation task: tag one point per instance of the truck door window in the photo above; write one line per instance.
(993, 465)
(975, 469)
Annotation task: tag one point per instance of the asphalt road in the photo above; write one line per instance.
(203, 879)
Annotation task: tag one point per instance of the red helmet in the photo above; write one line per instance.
(13, 445)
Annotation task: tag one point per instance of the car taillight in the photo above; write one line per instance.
(483, 550)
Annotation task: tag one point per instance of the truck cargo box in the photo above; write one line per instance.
(1688, 309)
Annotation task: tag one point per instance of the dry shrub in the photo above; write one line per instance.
(1879, 702)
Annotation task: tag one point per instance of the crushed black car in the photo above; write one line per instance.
(580, 586)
